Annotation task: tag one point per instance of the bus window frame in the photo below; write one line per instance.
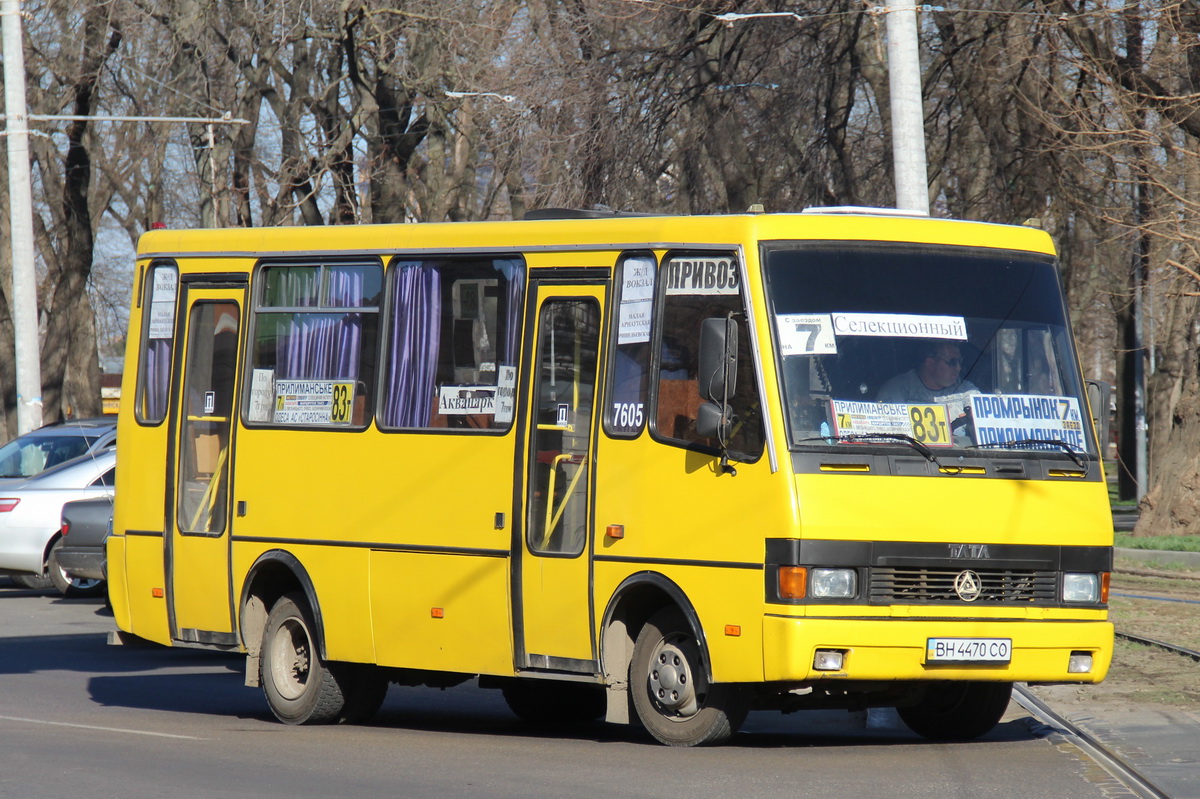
(737, 256)
(388, 308)
(614, 302)
(532, 431)
(145, 300)
(768, 246)
(255, 307)
(224, 473)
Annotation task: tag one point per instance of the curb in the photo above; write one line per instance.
(1189, 560)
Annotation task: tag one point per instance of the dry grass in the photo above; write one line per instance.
(1141, 674)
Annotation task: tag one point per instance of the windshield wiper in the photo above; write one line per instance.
(866, 438)
(1023, 443)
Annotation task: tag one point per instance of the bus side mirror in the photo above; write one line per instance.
(717, 381)
(1099, 396)
(713, 421)
(718, 359)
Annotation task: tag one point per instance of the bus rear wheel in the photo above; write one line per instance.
(671, 693)
(957, 711)
(299, 686)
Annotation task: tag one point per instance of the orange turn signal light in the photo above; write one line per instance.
(615, 531)
(1105, 578)
(734, 630)
(437, 613)
(793, 582)
(157, 593)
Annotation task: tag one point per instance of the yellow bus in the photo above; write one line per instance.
(648, 468)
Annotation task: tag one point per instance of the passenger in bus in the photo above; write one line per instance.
(937, 378)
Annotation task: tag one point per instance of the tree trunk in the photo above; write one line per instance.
(70, 364)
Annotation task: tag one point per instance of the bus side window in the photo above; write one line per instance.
(315, 332)
(694, 287)
(158, 342)
(625, 414)
(452, 341)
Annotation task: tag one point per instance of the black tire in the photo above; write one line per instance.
(671, 693)
(299, 686)
(957, 711)
(71, 587)
(37, 582)
(551, 702)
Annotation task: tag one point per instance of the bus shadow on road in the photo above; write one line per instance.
(209, 693)
(469, 710)
(209, 683)
(90, 652)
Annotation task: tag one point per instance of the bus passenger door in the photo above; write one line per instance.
(200, 607)
(553, 602)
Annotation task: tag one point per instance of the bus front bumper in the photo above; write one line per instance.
(935, 649)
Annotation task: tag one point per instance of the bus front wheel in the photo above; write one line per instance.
(299, 685)
(957, 711)
(671, 693)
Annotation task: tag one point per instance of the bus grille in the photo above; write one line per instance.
(903, 585)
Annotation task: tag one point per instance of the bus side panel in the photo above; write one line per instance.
(441, 612)
(145, 579)
(727, 603)
(336, 499)
(338, 577)
(135, 551)
(676, 507)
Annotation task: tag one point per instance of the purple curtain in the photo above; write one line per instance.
(319, 346)
(158, 379)
(413, 345)
(512, 270)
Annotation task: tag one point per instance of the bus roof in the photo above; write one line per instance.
(606, 233)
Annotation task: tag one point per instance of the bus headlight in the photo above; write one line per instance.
(1081, 588)
(833, 584)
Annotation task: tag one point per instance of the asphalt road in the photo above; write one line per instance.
(78, 717)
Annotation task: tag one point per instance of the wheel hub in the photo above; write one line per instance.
(670, 680)
(290, 659)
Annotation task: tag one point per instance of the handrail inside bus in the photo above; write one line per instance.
(208, 500)
(553, 518)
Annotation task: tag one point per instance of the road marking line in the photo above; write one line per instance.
(101, 729)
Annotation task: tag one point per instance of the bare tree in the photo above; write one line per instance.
(70, 44)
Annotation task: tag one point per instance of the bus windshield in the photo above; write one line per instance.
(900, 344)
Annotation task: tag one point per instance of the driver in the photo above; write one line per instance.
(937, 378)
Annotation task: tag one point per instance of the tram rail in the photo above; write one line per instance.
(1089, 745)
(1163, 574)
(1179, 650)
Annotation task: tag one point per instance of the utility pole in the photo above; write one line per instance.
(908, 113)
(904, 88)
(20, 199)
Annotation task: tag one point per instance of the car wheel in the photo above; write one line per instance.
(71, 587)
(671, 693)
(299, 686)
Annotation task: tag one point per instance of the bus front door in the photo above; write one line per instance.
(554, 617)
(200, 607)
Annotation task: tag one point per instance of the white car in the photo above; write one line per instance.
(56, 443)
(31, 518)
